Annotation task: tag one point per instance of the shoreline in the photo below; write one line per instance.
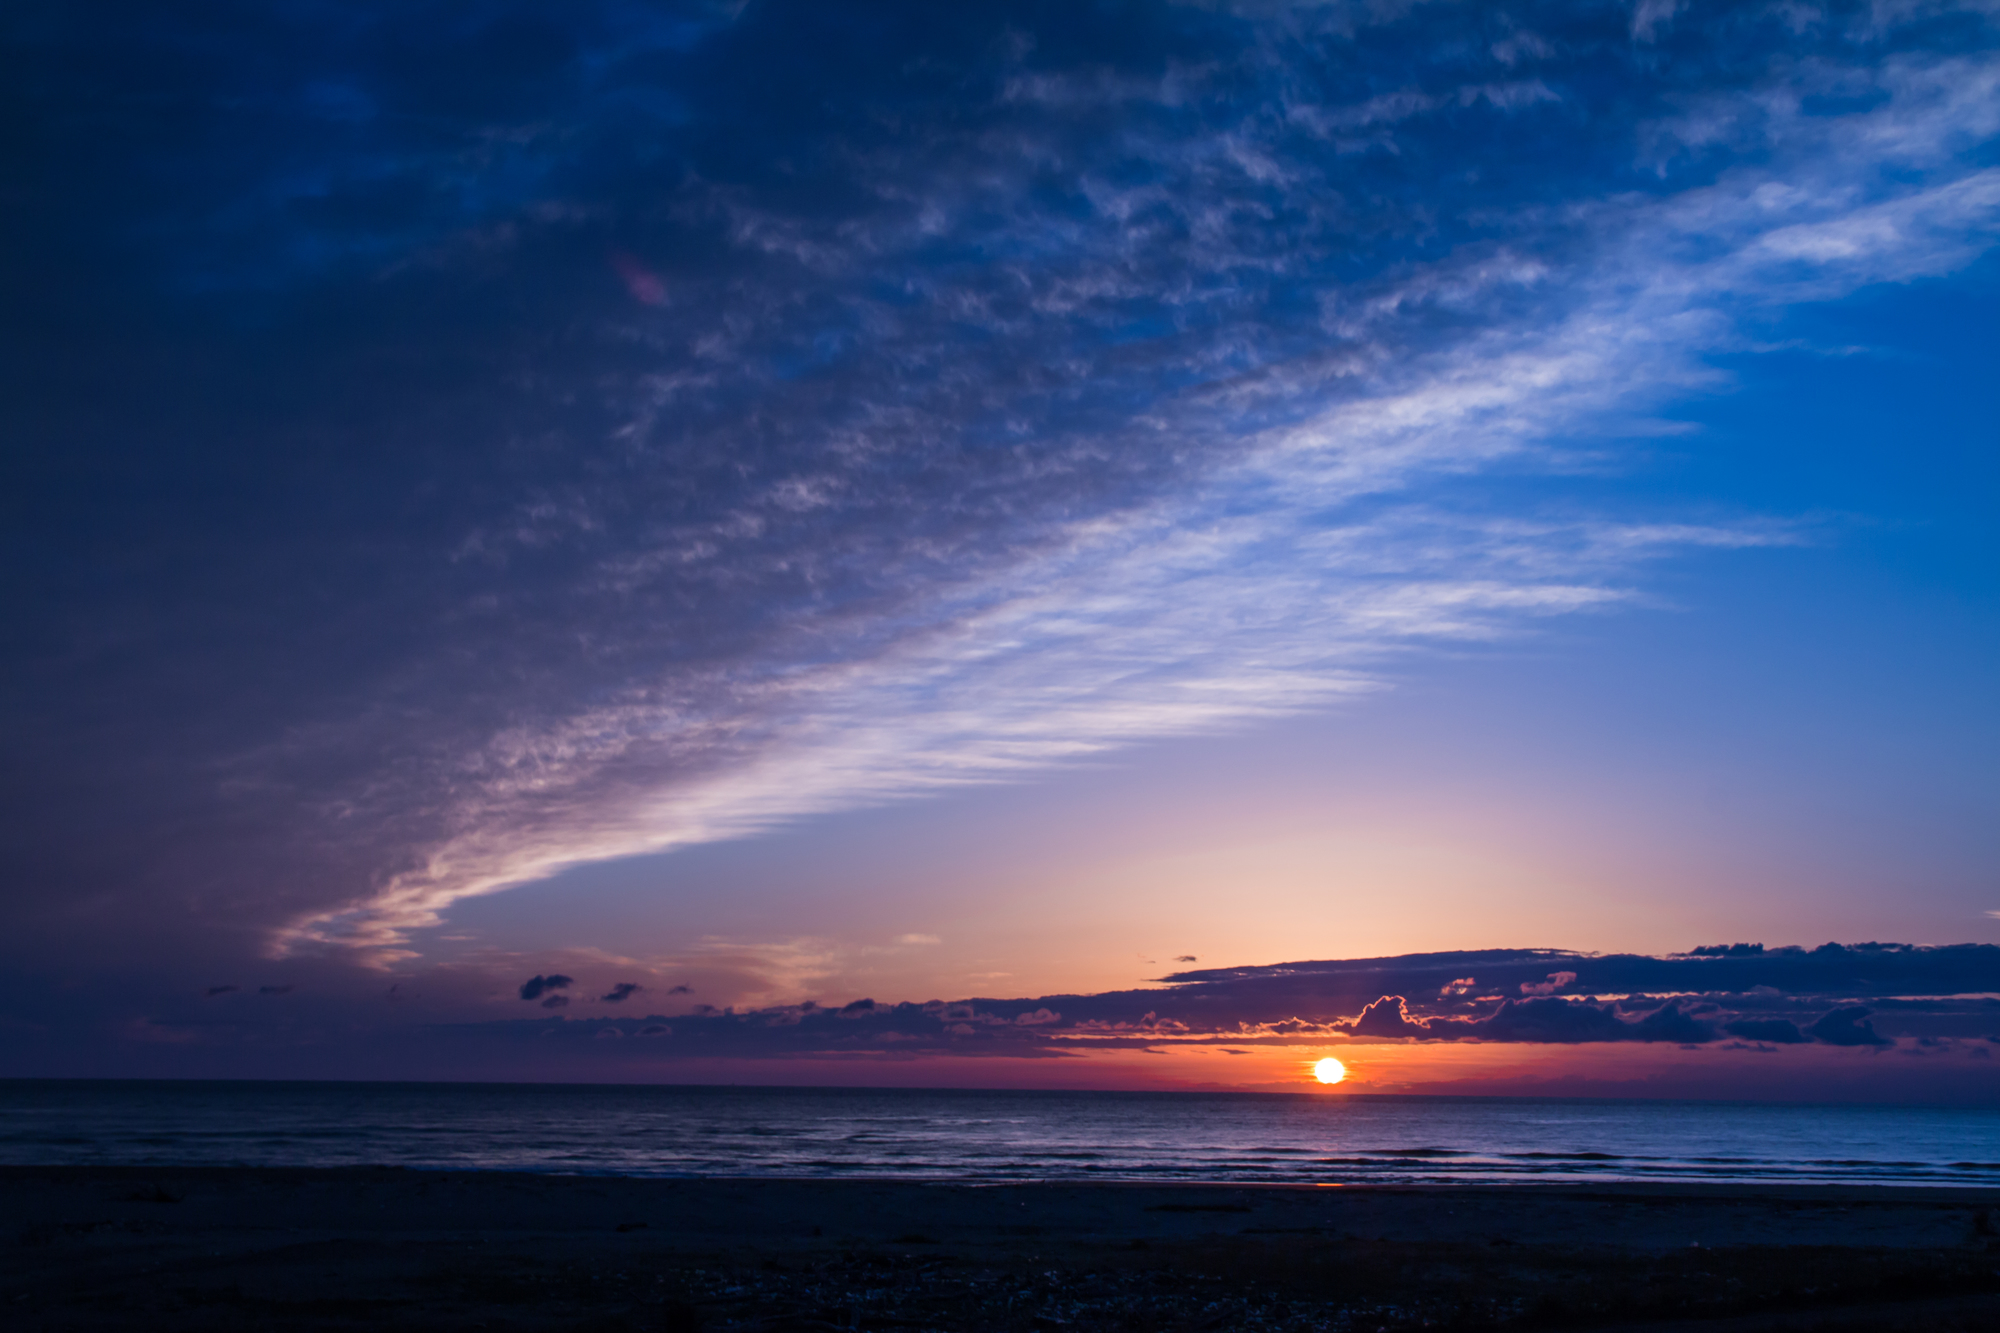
(204, 1247)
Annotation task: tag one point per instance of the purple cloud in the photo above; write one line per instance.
(534, 987)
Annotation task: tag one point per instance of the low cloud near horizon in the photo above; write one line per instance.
(1788, 995)
(1932, 1004)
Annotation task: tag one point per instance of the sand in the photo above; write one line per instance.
(218, 1248)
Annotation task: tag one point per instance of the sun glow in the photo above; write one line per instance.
(1329, 1070)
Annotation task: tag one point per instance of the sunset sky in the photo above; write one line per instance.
(584, 541)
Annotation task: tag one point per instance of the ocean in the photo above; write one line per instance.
(987, 1136)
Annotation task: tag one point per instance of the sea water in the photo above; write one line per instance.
(978, 1135)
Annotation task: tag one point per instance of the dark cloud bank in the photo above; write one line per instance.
(1882, 1022)
(1865, 995)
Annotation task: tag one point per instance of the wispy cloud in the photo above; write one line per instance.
(696, 424)
(1314, 525)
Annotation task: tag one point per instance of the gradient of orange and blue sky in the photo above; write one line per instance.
(756, 504)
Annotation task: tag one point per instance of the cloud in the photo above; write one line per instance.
(1764, 995)
(619, 993)
(1098, 633)
(1650, 16)
(1867, 970)
(1933, 1000)
(918, 939)
(1387, 1017)
(680, 990)
(556, 1002)
(1186, 958)
(1552, 1020)
(1848, 1025)
(1554, 982)
(1779, 1031)
(1533, 1020)
(644, 284)
(1672, 1022)
(1101, 390)
(534, 987)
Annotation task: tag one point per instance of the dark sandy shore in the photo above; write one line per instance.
(169, 1249)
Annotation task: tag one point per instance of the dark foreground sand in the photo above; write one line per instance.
(97, 1248)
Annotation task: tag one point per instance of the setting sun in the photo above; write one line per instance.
(1329, 1070)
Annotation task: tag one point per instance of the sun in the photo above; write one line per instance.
(1329, 1070)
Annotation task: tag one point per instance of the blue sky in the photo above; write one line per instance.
(811, 501)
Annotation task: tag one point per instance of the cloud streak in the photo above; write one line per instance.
(1157, 388)
(1256, 588)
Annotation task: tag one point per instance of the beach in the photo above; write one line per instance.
(226, 1248)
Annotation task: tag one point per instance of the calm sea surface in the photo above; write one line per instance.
(659, 1131)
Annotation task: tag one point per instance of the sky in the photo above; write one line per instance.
(586, 542)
